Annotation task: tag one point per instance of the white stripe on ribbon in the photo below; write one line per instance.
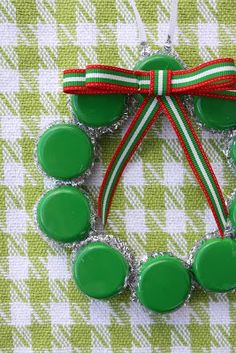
(74, 79)
(160, 83)
(120, 160)
(199, 162)
(118, 78)
(203, 74)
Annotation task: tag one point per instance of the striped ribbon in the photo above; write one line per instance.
(216, 78)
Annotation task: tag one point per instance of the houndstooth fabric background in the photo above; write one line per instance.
(158, 204)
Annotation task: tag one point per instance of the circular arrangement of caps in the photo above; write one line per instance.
(64, 214)
(214, 264)
(98, 110)
(163, 283)
(157, 62)
(232, 151)
(100, 270)
(65, 151)
(215, 113)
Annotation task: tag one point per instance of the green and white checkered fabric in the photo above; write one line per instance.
(158, 204)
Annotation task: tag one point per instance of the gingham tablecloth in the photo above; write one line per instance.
(158, 204)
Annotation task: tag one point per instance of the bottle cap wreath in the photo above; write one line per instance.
(101, 98)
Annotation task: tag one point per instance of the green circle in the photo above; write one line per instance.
(232, 213)
(215, 113)
(99, 270)
(64, 214)
(232, 151)
(65, 151)
(98, 110)
(164, 283)
(214, 264)
(157, 62)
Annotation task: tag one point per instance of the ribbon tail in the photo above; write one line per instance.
(143, 120)
(196, 157)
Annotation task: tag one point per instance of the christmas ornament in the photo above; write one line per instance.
(101, 98)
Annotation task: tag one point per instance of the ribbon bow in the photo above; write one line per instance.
(161, 88)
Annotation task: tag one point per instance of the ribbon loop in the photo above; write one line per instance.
(214, 78)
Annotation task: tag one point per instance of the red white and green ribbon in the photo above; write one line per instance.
(213, 79)
(143, 120)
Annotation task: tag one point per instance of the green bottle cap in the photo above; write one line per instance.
(214, 264)
(64, 214)
(232, 213)
(100, 270)
(232, 151)
(215, 113)
(164, 283)
(65, 151)
(98, 110)
(157, 62)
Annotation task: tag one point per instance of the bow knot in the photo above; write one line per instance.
(216, 78)
(160, 82)
(208, 79)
